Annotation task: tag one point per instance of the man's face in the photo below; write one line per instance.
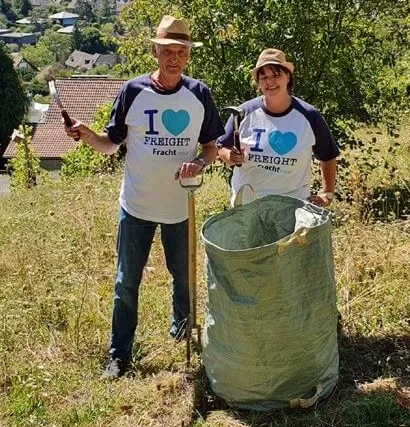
(172, 58)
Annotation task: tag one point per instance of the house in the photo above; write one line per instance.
(64, 18)
(80, 96)
(69, 29)
(119, 4)
(23, 21)
(20, 63)
(40, 3)
(30, 21)
(37, 112)
(18, 38)
(85, 61)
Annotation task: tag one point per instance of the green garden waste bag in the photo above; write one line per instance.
(270, 335)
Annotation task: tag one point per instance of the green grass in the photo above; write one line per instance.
(57, 262)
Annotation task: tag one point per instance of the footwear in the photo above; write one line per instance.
(115, 369)
(179, 334)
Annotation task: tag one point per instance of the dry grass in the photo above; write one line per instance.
(56, 272)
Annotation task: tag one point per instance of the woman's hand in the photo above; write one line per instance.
(321, 199)
(236, 157)
(231, 155)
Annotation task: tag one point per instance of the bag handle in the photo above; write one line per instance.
(238, 201)
(307, 403)
(298, 237)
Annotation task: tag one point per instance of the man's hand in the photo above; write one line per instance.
(99, 141)
(189, 169)
(78, 130)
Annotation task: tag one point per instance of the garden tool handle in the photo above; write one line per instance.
(237, 115)
(68, 122)
(190, 186)
(236, 140)
(192, 258)
(191, 183)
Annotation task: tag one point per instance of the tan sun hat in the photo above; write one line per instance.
(272, 56)
(174, 31)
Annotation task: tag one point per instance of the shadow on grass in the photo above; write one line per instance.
(362, 360)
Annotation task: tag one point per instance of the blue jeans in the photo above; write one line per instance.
(134, 241)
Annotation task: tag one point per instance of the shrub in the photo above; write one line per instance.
(84, 161)
(25, 167)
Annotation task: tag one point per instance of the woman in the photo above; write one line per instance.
(278, 135)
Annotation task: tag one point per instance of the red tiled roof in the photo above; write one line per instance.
(81, 97)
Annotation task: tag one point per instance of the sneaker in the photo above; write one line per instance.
(178, 332)
(115, 369)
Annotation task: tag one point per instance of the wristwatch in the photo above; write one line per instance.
(328, 194)
(200, 160)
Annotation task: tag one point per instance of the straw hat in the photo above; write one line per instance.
(174, 31)
(272, 56)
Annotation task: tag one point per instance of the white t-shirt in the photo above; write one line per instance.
(161, 130)
(279, 147)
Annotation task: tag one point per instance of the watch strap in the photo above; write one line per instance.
(200, 160)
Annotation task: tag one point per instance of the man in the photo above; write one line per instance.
(162, 116)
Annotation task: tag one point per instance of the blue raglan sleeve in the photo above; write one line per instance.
(226, 140)
(116, 128)
(212, 126)
(325, 147)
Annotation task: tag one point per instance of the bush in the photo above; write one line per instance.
(84, 161)
(37, 86)
(25, 167)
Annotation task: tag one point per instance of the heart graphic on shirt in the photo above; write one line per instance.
(175, 122)
(282, 143)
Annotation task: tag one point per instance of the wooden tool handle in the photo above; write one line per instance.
(68, 122)
(236, 141)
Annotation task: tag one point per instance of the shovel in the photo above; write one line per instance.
(190, 185)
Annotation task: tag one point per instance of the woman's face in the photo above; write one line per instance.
(273, 81)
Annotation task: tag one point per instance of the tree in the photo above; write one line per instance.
(343, 50)
(85, 11)
(57, 43)
(7, 11)
(25, 167)
(22, 7)
(76, 38)
(38, 55)
(38, 86)
(3, 21)
(14, 102)
(51, 48)
(106, 11)
(90, 40)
